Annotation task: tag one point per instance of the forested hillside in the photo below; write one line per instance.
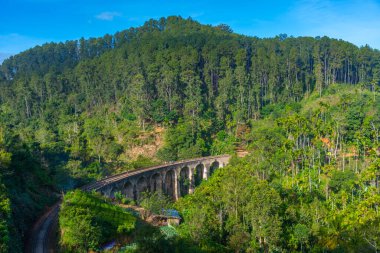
(309, 184)
(76, 111)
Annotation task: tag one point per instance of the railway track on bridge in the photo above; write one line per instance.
(43, 237)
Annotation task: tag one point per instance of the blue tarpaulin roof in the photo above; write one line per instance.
(171, 213)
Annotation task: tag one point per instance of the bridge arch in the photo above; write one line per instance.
(215, 165)
(128, 190)
(184, 181)
(141, 186)
(113, 191)
(170, 183)
(199, 174)
(156, 182)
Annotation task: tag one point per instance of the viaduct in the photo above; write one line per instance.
(175, 179)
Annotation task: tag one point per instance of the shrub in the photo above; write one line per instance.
(87, 220)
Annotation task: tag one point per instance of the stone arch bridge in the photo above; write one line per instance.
(175, 179)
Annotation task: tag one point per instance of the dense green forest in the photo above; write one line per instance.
(310, 183)
(306, 108)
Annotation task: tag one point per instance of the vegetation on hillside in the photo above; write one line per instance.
(5, 209)
(310, 183)
(87, 220)
(25, 188)
(76, 111)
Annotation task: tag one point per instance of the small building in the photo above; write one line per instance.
(167, 217)
(172, 216)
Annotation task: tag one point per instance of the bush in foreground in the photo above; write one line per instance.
(87, 220)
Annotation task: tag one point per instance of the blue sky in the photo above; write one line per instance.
(26, 23)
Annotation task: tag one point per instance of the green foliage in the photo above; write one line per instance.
(223, 143)
(119, 197)
(81, 233)
(5, 157)
(150, 239)
(5, 209)
(300, 235)
(342, 180)
(24, 185)
(87, 220)
(5, 218)
(155, 202)
(143, 162)
(182, 142)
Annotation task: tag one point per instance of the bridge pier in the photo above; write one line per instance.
(206, 171)
(176, 188)
(191, 179)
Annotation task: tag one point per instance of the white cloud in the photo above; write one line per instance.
(108, 15)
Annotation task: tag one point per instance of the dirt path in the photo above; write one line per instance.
(42, 238)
